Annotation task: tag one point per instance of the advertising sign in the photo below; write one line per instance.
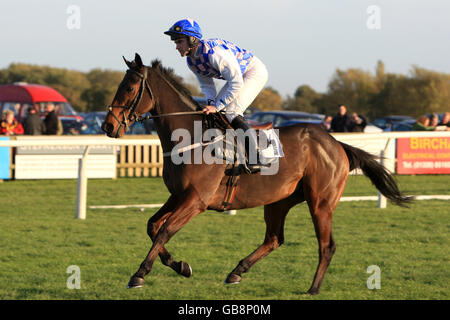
(61, 162)
(426, 155)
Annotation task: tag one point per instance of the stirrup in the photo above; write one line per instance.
(254, 168)
(251, 169)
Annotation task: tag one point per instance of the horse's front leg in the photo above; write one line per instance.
(188, 207)
(153, 226)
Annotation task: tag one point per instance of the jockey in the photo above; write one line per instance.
(245, 77)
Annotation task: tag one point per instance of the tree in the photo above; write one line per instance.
(354, 88)
(103, 86)
(380, 75)
(268, 99)
(305, 99)
(96, 98)
(421, 92)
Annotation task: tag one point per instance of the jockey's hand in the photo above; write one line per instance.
(209, 109)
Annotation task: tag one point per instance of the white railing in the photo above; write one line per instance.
(377, 143)
(87, 143)
(77, 141)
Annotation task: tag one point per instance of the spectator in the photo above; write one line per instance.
(422, 124)
(434, 120)
(341, 121)
(357, 123)
(9, 125)
(51, 120)
(33, 123)
(444, 125)
(326, 123)
(445, 120)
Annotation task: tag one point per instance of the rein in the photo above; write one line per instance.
(141, 118)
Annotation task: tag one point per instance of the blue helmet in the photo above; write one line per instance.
(187, 27)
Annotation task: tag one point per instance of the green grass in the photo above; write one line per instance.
(40, 238)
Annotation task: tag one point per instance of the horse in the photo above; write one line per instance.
(315, 169)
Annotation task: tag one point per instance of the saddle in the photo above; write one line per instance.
(218, 120)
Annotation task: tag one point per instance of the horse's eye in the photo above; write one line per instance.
(130, 89)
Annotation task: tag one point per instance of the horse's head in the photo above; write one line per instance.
(133, 98)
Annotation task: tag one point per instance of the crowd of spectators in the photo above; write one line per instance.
(432, 123)
(32, 124)
(343, 122)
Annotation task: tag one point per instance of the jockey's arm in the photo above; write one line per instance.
(224, 61)
(207, 87)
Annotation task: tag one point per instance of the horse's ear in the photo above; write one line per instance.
(138, 60)
(128, 63)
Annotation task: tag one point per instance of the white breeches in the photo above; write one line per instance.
(255, 77)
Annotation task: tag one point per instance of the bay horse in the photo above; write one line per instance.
(315, 168)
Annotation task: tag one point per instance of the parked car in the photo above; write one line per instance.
(285, 118)
(94, 121)
(143, 127)
(405, 125)
(370, 128)
(250, 111)
(73, 126)
(387, 122)
(146, 127)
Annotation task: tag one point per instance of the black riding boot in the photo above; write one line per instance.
(253, 164)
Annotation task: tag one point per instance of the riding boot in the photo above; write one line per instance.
(252, 164)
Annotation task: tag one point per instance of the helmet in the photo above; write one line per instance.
(186, 27)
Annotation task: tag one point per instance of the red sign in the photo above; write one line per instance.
(429, 155)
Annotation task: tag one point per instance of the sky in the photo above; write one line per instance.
(301, 42)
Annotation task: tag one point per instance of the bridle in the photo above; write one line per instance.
(132, 116)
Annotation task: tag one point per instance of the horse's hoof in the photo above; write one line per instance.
(233, 279)
(313, 291)
(135, 282)
(185, 269)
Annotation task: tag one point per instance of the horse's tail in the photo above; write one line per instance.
(379, 175)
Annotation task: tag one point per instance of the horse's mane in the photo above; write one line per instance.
(170, 76)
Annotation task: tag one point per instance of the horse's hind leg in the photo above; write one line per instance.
(321, 209)
(327, 247)
(274, 216)
(153, 226)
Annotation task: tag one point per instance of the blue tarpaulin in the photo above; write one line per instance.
(4, 160)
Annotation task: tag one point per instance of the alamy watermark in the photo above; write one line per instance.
(213, 147)
(73, 21)
(74, 280)
(374, 281)
(374, 20)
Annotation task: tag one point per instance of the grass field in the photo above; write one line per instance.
(40, 239)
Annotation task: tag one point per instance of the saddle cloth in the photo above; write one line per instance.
(269, 142)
